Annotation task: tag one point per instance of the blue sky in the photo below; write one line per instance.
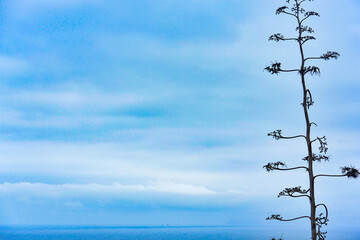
(156, 112)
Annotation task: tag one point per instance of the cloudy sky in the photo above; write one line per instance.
(142, 112)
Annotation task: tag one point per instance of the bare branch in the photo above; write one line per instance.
(289, 192)
(329, 175)
(309, 101)
(288, 13)
(279, 37)
(280, 10)
(317, 157)
(279, 218)
(323, 145)
(293, 219)
(306, 38)
(277, 135)
(292, 137)
(350, 172)
(312, 123)
(274, 217)
(297, 9)
(309, 14)
(313, 70)
(330, 55)
(276, 37)
(326, 213)
(303, 29)
(326, 56)
(321, 220)
(294, 168)
(322, 148)
(275, 68)
(281, 166)
(274, 166)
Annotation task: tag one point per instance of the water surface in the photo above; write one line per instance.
(159, 233)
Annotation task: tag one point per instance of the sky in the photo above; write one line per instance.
(142, 112)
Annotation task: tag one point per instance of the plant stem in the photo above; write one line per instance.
(308, 132)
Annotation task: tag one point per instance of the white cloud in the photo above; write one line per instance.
(72, 99)
(178, 170)
(71, 108)
(12, 65)
(26, 189)
(20, 119)
(237, 168)
(170, 187)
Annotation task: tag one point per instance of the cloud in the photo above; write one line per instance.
(66, 109)
(116, 189)
(13, 118)
(137, 165)
(75, 100)
(218, 104)
(169, 187)
(12, 65)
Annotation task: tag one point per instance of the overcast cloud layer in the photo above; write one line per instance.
(156, 112)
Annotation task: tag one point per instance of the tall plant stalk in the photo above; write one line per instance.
(317, 221)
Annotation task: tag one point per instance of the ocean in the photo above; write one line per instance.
(160, 233)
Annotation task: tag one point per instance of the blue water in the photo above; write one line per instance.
(151, 233)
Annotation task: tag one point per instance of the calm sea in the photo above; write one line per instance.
(158, 233)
